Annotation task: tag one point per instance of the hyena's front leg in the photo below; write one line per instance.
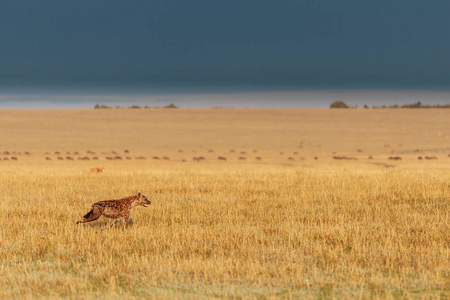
(93, 215)
(125, 219)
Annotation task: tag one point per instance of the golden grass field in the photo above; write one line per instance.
(269, 228)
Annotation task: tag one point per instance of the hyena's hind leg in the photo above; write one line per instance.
(93, 215)
(110, 223)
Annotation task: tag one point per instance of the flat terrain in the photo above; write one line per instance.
(277, 216)
(165, 131)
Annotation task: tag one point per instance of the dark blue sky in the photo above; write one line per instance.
(171, 46)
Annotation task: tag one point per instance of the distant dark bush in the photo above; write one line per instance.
(171, 105)
(101, 106)
(413, 105)
(339, 104)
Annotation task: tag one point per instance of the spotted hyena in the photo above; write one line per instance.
(115, 209)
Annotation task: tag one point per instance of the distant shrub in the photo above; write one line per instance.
(101, 106)
(339, 104)
(171, 105)
(413, 105)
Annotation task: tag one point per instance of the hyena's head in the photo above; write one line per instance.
(142, 200)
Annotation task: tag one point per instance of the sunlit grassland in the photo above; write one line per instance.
(275, 227)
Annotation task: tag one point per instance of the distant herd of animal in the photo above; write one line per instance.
(114, 155)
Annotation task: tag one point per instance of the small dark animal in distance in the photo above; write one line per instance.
(430, 157)
(344, 158)
(395, 158)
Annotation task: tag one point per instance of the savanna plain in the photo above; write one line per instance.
(301, 204)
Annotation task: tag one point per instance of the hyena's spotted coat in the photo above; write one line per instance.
(115, 209)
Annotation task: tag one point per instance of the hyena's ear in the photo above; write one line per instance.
(139, 195)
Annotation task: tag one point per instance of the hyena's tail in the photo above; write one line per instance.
(92, 215)
(89, 214)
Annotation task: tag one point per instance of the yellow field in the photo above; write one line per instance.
(285, 225)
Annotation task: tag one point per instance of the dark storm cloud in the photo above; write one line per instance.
(242, 44)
